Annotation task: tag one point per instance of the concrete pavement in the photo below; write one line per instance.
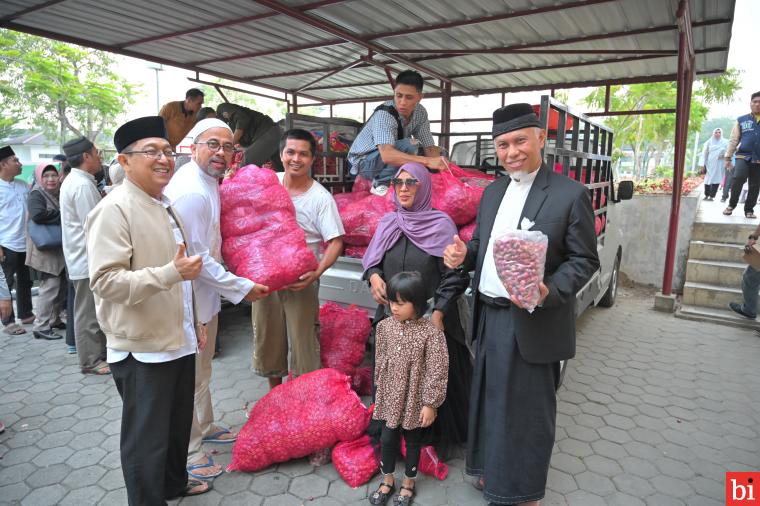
(653, 411)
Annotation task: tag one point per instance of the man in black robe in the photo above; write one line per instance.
(513, 403)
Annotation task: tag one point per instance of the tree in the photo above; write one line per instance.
(65, 89)
(650, 136)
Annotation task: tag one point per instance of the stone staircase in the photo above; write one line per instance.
(714, 267)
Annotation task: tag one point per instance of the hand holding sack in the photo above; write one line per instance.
(304, 415)
(261, 239)
(520, 256)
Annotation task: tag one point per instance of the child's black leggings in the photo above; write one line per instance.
(389, 448)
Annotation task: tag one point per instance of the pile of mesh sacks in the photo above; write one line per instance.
(261, 239)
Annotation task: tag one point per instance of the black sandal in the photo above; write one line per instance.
(404, 500)
(379, 497)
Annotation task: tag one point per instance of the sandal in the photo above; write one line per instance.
(14, 329)
(100, 369)
(404, 500)
(381, 497)
(480, 484)
(217, 438)
(750, 216)
(191, 488)
(727, 211)
(209, 463)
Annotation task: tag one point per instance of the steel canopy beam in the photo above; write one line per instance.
(28, 10)
(339, 32)
(223, 24)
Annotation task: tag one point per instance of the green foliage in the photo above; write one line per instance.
(66, 90)
(652, 135)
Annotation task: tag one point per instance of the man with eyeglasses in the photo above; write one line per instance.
(79, 195)
(194, 194)
(141, 276)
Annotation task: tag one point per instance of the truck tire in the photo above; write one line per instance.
(608, 300)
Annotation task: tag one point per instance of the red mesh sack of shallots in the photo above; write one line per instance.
(343, 334)
(361, 185)
(430, 464)
(261, 239)
(361, 380)
(465, 232)
(360, 214)
(520, 256)
(356, 461)
(455, 198)
(298, 418)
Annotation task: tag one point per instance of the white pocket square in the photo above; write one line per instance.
(526, 224)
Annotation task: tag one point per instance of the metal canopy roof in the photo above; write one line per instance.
(343, 50)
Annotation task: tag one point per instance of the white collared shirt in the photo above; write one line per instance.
(79, 195)
(195, 198)
(507, 219)
(190, 345)
(13, 214)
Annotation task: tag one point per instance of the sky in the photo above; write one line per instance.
(173, 82)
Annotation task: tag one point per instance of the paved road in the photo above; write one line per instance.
(653, 411)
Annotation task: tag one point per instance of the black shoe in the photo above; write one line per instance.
(49, 335)
(738, 308)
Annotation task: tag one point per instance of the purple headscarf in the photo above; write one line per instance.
(428, 229)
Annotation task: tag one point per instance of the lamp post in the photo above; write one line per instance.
(158, 68)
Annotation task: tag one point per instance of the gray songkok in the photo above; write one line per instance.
(77, 147)
(513, 117)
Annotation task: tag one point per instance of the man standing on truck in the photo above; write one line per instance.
(517, 363)
(745, 143)
(293, 312)
(256, 132)
(180, 116)
(391, 136)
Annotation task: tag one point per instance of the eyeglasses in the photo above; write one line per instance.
(214, 146)
(154, 154)
(409, 182)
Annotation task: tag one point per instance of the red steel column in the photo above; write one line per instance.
(685, 79)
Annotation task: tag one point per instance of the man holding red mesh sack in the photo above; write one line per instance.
(516, 372)
(292, 314)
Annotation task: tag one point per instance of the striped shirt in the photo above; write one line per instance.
(382, 129)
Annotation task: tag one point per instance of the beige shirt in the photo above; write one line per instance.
(79, 195)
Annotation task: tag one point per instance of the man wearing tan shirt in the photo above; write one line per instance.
(180, 116)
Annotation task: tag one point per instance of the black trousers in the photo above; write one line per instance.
(744, 171)
(155, 426)
(390, 440)
(14, 265)
(711, 190)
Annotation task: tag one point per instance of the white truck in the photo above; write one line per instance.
(576, 145)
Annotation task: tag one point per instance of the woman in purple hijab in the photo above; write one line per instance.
(412, 238)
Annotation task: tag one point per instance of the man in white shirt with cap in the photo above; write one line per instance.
(194, 193)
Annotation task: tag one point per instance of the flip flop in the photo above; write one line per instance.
(215, 437)
(14, 329)
(28, 320)
(191, 484)
(202, 477)
(100, 369)
(750, 215)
